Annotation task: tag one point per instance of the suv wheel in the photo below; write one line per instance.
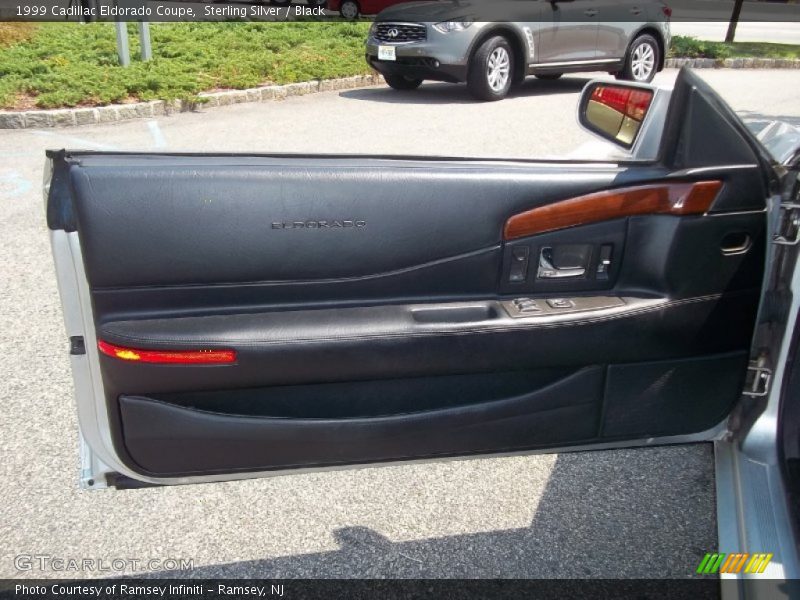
(491, 69)
(349, 10)
(641, 61)
(400, 82)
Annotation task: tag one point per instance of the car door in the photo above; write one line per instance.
(618, 22)
(239, 315)
(568, 31)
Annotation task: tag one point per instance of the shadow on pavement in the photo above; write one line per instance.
(448, 93)
(646, 513)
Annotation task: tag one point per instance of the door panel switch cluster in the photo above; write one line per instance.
(551, 307)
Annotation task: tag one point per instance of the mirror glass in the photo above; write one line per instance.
(615, 111)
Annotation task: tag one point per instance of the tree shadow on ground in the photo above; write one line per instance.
(647, 513)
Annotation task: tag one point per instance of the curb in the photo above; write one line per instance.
(733, 63)
(69, 117)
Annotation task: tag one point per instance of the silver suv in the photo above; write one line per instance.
(458, 41)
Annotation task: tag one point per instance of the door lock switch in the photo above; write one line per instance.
(518, 272)
(604, 263)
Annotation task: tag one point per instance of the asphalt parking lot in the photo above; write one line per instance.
(634, 513)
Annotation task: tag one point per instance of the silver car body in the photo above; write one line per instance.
(579, 35)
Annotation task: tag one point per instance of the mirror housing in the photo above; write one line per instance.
(615, 111)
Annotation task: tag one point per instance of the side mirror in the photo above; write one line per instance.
(615, 111)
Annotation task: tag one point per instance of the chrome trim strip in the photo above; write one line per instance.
(733, 213)
(576, 62)
(400, 23)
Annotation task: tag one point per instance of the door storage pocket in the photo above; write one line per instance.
(165, 438)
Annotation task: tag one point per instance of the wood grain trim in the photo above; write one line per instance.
(683, 198)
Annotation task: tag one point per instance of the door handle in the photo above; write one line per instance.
(636, 11)
(548, 270)
(590, 12)
(737, 242)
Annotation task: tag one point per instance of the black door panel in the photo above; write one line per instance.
(370, 330)
(366, 305)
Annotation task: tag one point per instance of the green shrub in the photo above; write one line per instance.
(689, 47)
(64, 64)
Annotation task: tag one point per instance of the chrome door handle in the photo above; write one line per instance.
(548, 271)
(590, 12)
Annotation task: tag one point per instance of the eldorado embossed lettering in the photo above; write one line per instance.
(335, 224)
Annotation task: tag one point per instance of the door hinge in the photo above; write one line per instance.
(788, 233)
(758, 380)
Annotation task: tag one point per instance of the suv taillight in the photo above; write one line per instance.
(629, 102)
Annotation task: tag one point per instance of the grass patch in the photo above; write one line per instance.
(689, 47)
(64, 64)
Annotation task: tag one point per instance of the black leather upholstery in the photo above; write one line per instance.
(157, 433)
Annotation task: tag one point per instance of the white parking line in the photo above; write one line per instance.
(158, 138)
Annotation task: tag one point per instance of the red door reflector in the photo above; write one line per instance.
(174, 357)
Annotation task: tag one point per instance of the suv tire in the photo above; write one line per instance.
(349, 10)
(491, 70)
(641, 60)
(400, 82)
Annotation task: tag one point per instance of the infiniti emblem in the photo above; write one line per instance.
(393, 33)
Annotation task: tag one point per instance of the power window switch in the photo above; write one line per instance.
(526, 305)
(531, 308)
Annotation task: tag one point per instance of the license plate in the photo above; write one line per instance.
(387, 53)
